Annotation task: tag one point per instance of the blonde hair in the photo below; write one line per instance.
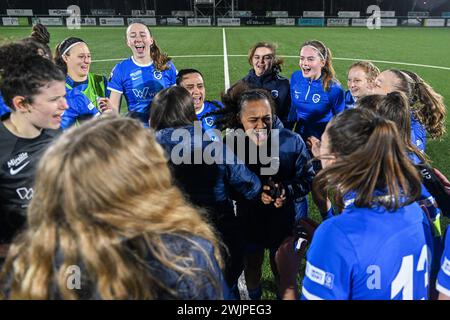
(369, 69)
(104, 199)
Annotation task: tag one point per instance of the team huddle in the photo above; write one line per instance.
(127, 203)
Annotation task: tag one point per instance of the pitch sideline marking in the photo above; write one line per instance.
(243, 55)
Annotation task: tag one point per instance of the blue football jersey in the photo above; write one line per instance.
(140, 83)
(80, 108)
(209, 121)
(350, 101)
(311, 106)
(443, 280)
(418, 134)
(370, 253)
(4, 109)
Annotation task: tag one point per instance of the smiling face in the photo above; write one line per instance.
(193, 82)
(48, 106)
(139, 40)
(262, 60)
(358, 83)
(385, 83)
(256, 118)
(311, 63)
(78, 61)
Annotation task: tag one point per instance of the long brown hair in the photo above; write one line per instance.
(277, 61)
(395, 107)
(370, 157)
(426, 104)
(104, 199)
(328, 72)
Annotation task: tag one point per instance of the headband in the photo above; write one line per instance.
(318, 51)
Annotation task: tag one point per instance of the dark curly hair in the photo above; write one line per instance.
(23, 72)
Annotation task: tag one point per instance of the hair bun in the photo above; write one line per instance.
(40, 34)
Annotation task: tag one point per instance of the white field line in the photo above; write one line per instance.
(296, 57)
(225, 61)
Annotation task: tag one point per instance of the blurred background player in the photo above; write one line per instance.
(33, 88)
(140, 77)
(360, 81)
(265, 74)
(131, 236)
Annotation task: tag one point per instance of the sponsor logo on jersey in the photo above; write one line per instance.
(17, 164)
(136, 75)
(316, 98)
(157, 74)
(274, 93)
(142, 94)
(319, 276)
(25, 193)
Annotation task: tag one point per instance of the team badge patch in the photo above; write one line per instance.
(157, 75)
(274, 93)
(316, 98)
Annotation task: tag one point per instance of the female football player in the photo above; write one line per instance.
(140, 77)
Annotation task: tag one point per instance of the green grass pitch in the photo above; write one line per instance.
(202, 48)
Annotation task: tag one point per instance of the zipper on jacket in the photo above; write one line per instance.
(309, 88)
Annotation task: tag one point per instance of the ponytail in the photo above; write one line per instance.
(40, 34)
(159, 59)
(428, 106)
(395, 107)
(370, 160)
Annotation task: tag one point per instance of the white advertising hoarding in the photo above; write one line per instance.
(199, 22)
(434, 23)
(112, 22)
(228, 22)
(285, 22)
(19, 12)
(10, 21)
(335, 22)
(48, 21)
(59, 12)
(147, 21)
(348, 14)
(313, 14)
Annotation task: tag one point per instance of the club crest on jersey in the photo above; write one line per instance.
(316, 98)
(157, 74)
(209, 121)
(297, 94)
(141, 94)
(274, 93)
